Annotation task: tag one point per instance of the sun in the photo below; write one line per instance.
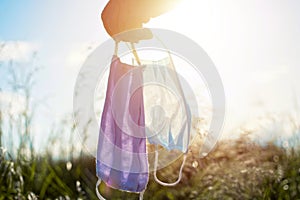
(190, 16)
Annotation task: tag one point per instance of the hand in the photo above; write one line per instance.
(120, 16)
(134, 36)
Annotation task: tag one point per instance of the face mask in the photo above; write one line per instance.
(167, 115)
(122, 161)
(145, 101)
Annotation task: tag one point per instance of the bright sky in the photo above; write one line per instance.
(255, 45)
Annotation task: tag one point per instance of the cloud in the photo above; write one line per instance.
(78, 54)
(18, 51)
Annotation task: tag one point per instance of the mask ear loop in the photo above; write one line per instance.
(97, 191)
(116, 48)
(155, 170)
(135, 54)
(142, 195)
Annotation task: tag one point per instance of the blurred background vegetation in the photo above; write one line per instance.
(236, 169)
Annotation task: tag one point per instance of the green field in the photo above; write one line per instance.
(236, 169)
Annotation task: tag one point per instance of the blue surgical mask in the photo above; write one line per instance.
(167, 115)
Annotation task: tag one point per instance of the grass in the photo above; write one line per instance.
(238, 169)
(45, 179)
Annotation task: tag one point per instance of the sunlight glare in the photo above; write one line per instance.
(188, 16)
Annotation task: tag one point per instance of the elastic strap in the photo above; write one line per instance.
(155, 170)
(135, 53)
(142, 195)
(116, 48)
(97, 191)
